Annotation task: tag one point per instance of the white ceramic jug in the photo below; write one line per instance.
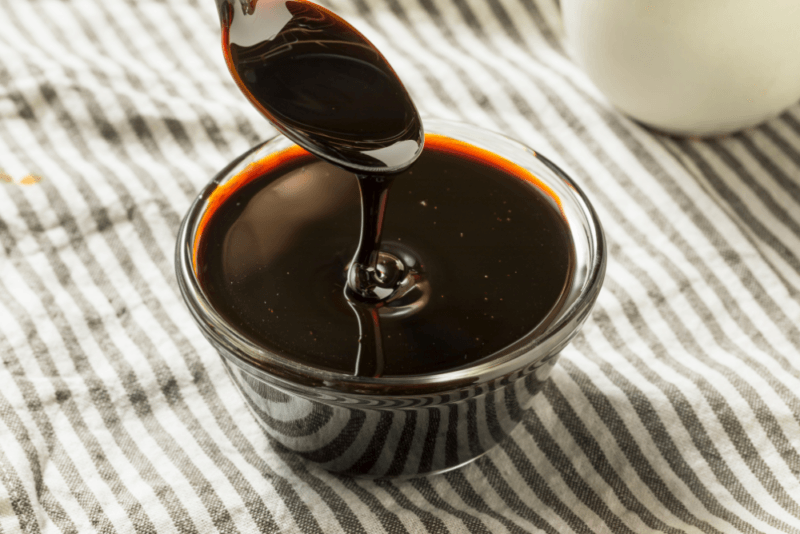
(695, 67)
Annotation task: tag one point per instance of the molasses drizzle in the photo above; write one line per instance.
(325, 86)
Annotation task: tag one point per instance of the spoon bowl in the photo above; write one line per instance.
(321, 83)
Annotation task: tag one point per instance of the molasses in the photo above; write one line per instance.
(468, 257)
(488, 246)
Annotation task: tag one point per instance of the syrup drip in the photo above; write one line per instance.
(326, 87)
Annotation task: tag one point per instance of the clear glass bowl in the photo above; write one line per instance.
(413, 425)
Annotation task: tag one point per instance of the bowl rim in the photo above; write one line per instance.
(521, 357)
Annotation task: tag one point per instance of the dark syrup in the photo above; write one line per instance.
(278, 258)
(489, 247)
(321, 83)
(325, 86)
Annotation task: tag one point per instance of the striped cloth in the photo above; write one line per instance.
(676, 409)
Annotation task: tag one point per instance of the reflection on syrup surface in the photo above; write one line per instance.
(486, 240)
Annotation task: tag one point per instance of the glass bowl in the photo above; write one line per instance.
(412, 425)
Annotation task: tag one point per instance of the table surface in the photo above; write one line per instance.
(676, 408)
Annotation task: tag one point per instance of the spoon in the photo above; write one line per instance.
(321, 83)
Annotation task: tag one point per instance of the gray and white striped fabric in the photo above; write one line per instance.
(677, 408)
